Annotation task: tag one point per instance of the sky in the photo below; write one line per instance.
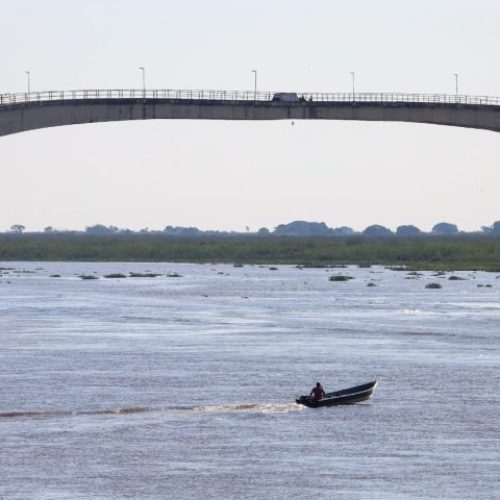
(232, 175)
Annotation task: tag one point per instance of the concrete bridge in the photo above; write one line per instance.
(37, 110)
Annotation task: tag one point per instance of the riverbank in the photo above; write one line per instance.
(454, 253)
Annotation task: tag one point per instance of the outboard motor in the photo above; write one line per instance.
(302, 400)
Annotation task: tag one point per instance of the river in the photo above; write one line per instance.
(182, 386)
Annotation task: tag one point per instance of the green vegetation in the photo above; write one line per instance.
(433, 285)
(115, 276)
(406, 254)
(340, 277)
(144, 275)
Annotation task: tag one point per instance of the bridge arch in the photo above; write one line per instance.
(38, 110)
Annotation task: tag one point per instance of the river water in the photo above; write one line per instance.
(183, 387)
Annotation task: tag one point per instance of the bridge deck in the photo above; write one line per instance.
(23, 112)
(249, 96)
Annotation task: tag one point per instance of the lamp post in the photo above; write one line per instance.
(353, 75)
(456, 83)
(143, 69)
(28, 74)
(254, 71)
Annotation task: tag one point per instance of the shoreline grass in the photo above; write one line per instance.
(430, 253)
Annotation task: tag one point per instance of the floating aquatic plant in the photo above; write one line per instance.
(340, 277)
(433, 285)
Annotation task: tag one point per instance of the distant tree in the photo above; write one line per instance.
(48, 229)
(303, 228)
(343, 231)
(444, 229)
(182, 231)
(263, 231)
(100, 229)
(376, 230)
(17, 228)
(495, 228)
(408, 231)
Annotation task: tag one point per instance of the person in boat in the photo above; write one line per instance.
(317, 392)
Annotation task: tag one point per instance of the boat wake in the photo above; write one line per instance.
(129, 410)
(62, 413)
(249, 407)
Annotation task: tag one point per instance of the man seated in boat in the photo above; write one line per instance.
(317, 392)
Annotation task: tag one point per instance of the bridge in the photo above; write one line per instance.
(37, 110)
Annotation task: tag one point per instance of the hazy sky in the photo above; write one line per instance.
(228, 175)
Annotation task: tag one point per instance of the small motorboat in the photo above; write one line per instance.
(343, 397)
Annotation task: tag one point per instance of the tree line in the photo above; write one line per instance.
(295, 228)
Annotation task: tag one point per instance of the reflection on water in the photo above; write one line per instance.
(185, 388)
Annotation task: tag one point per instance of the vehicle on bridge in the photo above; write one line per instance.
(286, 97)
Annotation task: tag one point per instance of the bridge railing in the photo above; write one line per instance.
(236, 95)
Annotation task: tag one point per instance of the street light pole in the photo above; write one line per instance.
(143, 69)
(254, 71)
(456, 83)
(353, 75)
(28, 74)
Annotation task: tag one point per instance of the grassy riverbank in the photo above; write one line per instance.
(454, 253)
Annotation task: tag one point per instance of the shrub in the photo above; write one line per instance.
(340, 277)
(433, 285)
